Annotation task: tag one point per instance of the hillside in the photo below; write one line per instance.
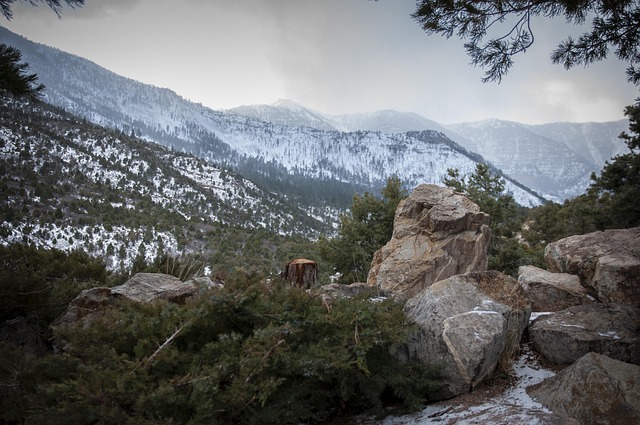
(70, 184)
(316, 167)
(556, 160)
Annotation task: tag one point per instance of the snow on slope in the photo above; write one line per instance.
(363, 156)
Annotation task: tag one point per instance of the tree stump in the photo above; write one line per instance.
(302, 273)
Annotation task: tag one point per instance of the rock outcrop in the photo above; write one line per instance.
(565, 336)
(467, 323)
(607, 263)
(437, 233)
(594, 390)
(551, 291)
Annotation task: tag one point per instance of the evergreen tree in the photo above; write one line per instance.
(618, 185)
(367, 228)
(614, 26)
(13, 77)
(55, 5)
(488, 191)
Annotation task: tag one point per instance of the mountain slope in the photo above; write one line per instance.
(303, 160)
(68, 184)
(555, 159)
(285, 112)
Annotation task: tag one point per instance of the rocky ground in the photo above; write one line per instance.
(500, 401)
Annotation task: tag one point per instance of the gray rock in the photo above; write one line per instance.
(141, 288)
(437, 233)
(594, 390)
(467, 323)
(336, 290)
(147, 287)
(607, 263)
(551, 291)
(565, 336)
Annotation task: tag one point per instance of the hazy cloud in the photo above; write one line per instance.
(332, 55)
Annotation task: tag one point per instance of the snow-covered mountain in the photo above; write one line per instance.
(302, 160)
(286, 112)
(556, 159)
(290, 113)
(67, 184)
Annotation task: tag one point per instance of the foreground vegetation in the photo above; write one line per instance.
(251, 353)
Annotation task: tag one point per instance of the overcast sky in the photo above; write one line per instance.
(334, 56)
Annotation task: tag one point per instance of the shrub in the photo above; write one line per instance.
(252, 353)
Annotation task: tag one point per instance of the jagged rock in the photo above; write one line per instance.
(147, 287)
(565, 336)
(466, 324)
(551, 291)
(607, 263)
(594, 390)
(437, 233)
(83, 308)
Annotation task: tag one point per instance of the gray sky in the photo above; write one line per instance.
(335, 56)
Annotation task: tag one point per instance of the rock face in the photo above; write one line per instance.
(607, 263)
(466, 324)
(565, 336)
(551, 291)
(594, 390)
(437, 233)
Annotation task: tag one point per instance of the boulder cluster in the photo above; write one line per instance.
(470, 322)
(586, 307)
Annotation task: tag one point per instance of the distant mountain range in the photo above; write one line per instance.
(556, 160)
(317, 163)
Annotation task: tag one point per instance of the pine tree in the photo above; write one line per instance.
(367, 228)
(487, 189)
(13, 77)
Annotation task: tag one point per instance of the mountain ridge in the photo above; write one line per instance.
(574, 150)
(70, 184)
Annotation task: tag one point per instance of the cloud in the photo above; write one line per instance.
(335, 56)
(92, 9)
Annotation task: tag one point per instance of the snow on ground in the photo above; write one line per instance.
(509, 406)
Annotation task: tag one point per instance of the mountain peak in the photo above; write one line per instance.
(289, 104)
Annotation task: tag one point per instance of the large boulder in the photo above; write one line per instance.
(467, 325)
(437, 233)
(607, 263)
(594, 390)
(565, 336)
(551, 291)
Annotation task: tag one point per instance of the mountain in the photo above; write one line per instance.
(310, 165)
(285, 112)
(556, 159)
(288, 112)
(67, 183)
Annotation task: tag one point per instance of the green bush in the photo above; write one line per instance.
(252, 353)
